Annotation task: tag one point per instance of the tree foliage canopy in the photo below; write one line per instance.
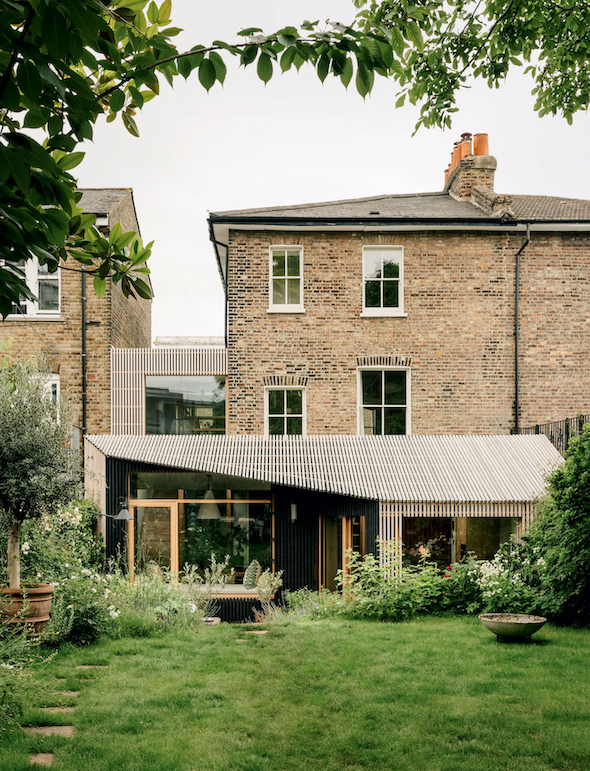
(64, 63)
(35, 463)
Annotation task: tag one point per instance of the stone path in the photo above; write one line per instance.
(46, 758)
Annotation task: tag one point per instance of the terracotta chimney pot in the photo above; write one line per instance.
(480, 144)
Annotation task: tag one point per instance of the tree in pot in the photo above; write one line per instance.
(36, 473)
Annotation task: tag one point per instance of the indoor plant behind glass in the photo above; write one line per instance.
(36, 473)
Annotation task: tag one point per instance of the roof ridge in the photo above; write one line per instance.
(321, 204)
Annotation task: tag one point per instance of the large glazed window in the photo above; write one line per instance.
(185, 405)
(285, 411)
(286, 279)
(383, 289)
(184, 518)
(384, 396)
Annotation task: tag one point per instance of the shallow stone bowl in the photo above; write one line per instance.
(512, 626)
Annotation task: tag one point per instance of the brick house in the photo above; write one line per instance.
(423, 287)
(371, 381)
(70, 325)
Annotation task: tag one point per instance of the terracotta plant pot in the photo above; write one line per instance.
(29, 604)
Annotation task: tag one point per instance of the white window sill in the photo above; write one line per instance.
(22, 318)
(287, 309)
(380, 313)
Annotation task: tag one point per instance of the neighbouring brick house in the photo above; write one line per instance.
(55, 325)
(349, 322)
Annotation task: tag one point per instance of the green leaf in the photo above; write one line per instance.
(249, 31)
(130, 124)
(414, 34)
(117, 100)
(347, 72)
(207, 75)
(70, 161)
(264, 67)
(29, 80)
(401, 101)
(323, 67)
(287, 40)
(219, 64)
(142, 289)
(100, 286)
(55, 32)
(249, 54)
(137, 96)
(153, 13)
(287, 59)
(165, 11)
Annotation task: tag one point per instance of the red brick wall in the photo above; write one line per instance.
(459, 297)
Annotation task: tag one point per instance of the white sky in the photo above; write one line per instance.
(296, 141)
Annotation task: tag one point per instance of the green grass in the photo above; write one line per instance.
(430, 695)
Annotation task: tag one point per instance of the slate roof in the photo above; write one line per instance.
(419, 206)
(102, 200)
(450, 469)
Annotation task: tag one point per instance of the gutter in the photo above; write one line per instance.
(525, 243)
(83, 355)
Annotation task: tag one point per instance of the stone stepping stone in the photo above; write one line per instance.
(92, 666)
(257, 631)
(212, 621)
(50, 730)
(52, 710)
(41, 759)
(69, 693)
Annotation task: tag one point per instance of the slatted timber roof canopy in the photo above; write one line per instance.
(466, 468)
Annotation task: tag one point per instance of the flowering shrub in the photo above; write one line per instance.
(512, 581)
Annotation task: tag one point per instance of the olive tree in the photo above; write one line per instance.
(36, 466)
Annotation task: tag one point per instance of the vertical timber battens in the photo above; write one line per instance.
(129, 367)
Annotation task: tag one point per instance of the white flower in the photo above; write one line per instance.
(107, 591)
(114, 613)
(39, 575)
(8, 666)
(541, 561)
(192, 607)
(26, 547)
(67, 565)
(86, 572)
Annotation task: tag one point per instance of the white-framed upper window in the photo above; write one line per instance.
(286, 279)
(284, 411)
(383, 281)
(384, 401)
(45, 285)
(51, 387)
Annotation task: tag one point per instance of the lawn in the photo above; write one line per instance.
(428, 695)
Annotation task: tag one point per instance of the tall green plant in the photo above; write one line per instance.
(561, 533)
(35, 463)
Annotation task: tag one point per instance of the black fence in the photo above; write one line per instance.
(560, 432)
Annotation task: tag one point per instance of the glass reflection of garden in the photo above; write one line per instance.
(217, 515)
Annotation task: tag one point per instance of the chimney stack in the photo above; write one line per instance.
(471, 166)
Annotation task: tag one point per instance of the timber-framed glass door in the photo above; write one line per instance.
(336, 536)
(153, 538)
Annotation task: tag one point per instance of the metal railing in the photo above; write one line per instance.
(559, 432)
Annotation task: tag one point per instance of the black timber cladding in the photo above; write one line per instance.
(297, 543)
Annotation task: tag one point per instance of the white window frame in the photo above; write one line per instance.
(51, 387)
(285, 307)
(381, 311)
(408, 405)
(31, 270)
(303, 390)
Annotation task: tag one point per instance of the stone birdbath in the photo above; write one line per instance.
(512, 626)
